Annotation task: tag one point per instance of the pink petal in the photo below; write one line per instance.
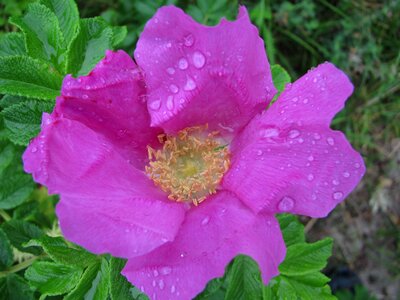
(102, 195)
(198, 74)
(111, 100)
(288, 160)
(211, 236)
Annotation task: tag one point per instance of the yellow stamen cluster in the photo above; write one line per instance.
(190, 165)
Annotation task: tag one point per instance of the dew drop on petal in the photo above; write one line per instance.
(317, 136)
(269, 132)
(170, 102)
(173, 289)
(161, 284)
(155, 105)
(305, 101)
(294, 133)
(34, 149)
(357, 165)
(346, 174)
(310, 158)
(259, 152)
(190, 84)
(183, 63)
(165, 270)
(330, 141)
(173, 88)
(155, 273)
(188, 40)
(335, 182)
(286, 204)
(310, 177)
(337, 195)
(199, 59)
(295, 99)
(153, 283)
(171, 70)
(205, 221)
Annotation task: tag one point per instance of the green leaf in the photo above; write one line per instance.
(6, 254)
(67, 15)
(89, 46)
(15, 185)
(94, 283)
(23, 120)
(12, 44)
(51, 278)
(14, 287)
(9, 100)
(305, 258)
(280, 78)
(120, 288)
(292, 229)
(43, 36)
(214, 290)
(119, 35)
(244, 279)
(59, 251)
(25, 76)
(19, 232)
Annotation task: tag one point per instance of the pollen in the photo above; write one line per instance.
(190, 165)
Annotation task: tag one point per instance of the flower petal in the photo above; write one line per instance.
(210, 237)
(101, 193)
(288, 160)
(198, 74)
(111, 100)
(124, 227)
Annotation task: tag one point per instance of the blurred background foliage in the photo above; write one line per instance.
(363, 39)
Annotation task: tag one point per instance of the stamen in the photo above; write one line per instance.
(190, 165)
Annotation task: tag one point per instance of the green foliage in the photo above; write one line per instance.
(280, 78)
(360, 293)
(12, 44)
(6, 254)
(89, 46)
(22, 120)
(14, 287)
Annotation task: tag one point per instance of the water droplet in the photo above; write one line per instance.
(190, 84)
(310, 158)
(357, 165)
(173, 289)
(153, 283)
(314, 197)
(295, 99)
(169, 45)
(199, 59)
(335, 182)
(269, 132)
(183, 254)
(155, 273)
(205, 221)
(294, 133)
(173, 88)
(239, 58)
(315, 80)
(84, 96)
(317, 136)
(300, 140)
(346, 174)
(259, 152)
(161, 284)
(171, 70)
(305, 101)
(166, 270)
(330, 141)
(183, 63)
(310, 177)
(286, 204)
(34, 149)
(188, 40)
(156, 20)
(170, 102)
(337, 195)
(155, 105)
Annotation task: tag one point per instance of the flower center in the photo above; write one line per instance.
(190, 165)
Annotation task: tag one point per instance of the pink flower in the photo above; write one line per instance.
(92, 150)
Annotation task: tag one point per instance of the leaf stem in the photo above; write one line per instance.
(20, 266)
(5, 215)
